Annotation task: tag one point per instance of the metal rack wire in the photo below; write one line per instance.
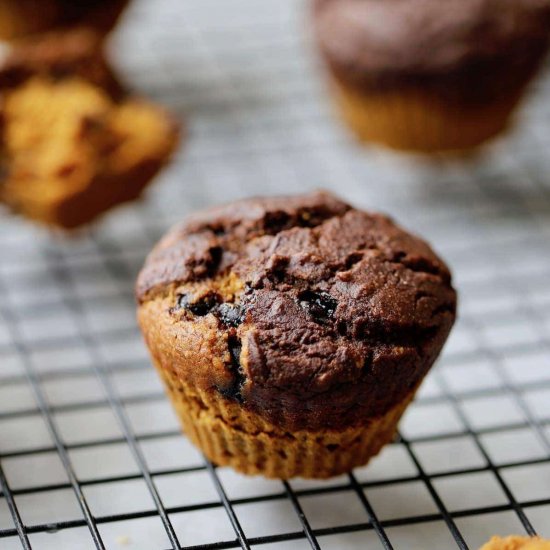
(90, 453)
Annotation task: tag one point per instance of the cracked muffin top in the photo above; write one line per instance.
(303, 309)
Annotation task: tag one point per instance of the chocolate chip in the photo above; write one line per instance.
(276, 221)
(231, 315)
(368, 363)
(352, 259)
(218, 230)
(213, 262)
(342, 328)
(235, 348)
(311, 218)
(200, 307)
(320, 305)
(235, 389)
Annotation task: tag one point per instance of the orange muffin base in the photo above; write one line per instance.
(229, 435)
(416, 121)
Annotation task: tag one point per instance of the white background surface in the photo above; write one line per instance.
(243, 73)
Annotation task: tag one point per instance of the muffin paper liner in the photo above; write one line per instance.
(421, 122)
(229, 435)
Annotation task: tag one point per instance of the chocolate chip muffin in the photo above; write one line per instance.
(291, 333)
(430, 75)
(74, 142)
(20, 18)
(516, 543)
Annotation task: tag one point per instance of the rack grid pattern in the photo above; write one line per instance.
(90, 452)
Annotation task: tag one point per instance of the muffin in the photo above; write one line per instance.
(74, 142)
(516, 543)
(291, 333)
(430, 75)
(19, 18)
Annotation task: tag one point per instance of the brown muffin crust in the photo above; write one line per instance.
(309, 312)
(458, 47)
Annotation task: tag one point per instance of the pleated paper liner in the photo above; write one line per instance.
(229, 435)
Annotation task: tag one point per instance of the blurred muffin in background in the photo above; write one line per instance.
(74, 142)
(430, 75)
(19, 18)
(54, 56)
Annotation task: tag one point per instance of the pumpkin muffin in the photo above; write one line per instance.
(430, 75)
(20, 18)
(516, 543)
(73, 141)
(291, 333)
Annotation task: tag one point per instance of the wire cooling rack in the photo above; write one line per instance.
(90, 452)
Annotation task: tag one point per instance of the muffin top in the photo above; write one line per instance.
(304, 309)
(382, 40)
